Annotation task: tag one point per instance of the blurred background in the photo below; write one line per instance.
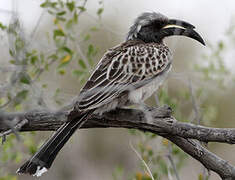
(48, 50)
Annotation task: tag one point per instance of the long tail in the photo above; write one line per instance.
(43, 159)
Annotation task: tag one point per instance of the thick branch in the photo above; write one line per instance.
(159, 122)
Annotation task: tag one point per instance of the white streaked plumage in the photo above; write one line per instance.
(133, 70)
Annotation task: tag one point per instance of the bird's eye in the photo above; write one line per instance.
(159, 24)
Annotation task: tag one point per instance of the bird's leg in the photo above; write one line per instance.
(154, 112)
(147, 110)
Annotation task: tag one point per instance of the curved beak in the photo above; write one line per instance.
(178, 27)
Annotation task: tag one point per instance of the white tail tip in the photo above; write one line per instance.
(40, 171)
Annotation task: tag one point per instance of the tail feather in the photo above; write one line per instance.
(43, 159)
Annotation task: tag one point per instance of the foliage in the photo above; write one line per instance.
(31, 63)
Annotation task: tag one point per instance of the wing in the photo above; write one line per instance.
(123, 68)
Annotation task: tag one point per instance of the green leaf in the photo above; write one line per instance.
(53, 57)
(2, 26)
(91, 50)
(64, 61)
(82, 8)
(221, 45)
(69, 23)
(33, 59)
(11, 53)
(25, 78)
(60, 18)
(57, 33)
(66, 49)
(51, 12)
(61, 13)
(61, 71)
(48, 4)
(87, 37)
(19, 43)
(44, 85)
(100, 11)
(75, 17)
(82, 63)
(12, 61)
(22, 95)
(70, 5)
(94, 28)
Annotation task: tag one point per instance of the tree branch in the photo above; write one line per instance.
(161, 123)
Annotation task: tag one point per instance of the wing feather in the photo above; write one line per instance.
(121, 69)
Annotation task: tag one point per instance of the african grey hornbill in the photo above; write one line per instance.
(127, 74)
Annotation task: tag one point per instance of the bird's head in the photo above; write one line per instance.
(154, 27)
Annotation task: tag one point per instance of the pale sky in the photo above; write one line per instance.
(211, 17)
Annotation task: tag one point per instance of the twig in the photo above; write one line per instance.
(14, 130)
(198, 116)
(143, 161)
(196, 108)
(170, 158)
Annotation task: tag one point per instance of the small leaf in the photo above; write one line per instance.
(11, 53)
(82, 8)
(53, 57)
(66, 59)
(2, 26)
(200, 177)
(70, 5)
(22, 94)
(75, 17)
(44, 86)
(61, 13)
(100, 11)
(66, 49)
(62, 72)
(58, 32)
(90, 50)
(19, 44)
(48, 4)
(12, 61)
(82, 64)
(221, 45)
(25, 79)
(33, 59)
(87, 37)
(94, 28)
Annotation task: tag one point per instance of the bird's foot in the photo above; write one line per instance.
(161, 111)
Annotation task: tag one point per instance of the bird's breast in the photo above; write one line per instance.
(141, 94)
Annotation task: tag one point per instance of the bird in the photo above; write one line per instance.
(127, 74)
